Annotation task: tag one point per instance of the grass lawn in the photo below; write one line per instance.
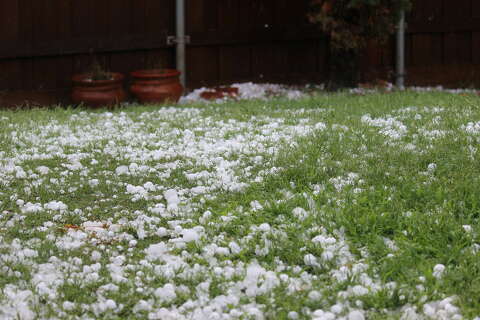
(335, 206)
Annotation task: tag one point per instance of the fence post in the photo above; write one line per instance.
(181, 43)
(400, 57)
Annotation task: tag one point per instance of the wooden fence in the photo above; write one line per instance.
(443, 44)
(44, 42)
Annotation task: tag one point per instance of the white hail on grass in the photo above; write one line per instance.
(184, 258)
(228, 154)
(390, 127)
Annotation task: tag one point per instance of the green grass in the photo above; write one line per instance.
(392, 198)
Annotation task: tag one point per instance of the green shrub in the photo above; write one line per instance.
(351, 23)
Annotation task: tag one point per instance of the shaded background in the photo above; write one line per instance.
(44, 42)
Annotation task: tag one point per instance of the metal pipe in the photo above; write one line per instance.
(400, 57)
(180, 41)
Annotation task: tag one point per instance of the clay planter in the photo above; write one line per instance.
(156, 85)
(98, 93)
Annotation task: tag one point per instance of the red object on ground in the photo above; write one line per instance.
(219, 93)
(98, 93)
(156, 85)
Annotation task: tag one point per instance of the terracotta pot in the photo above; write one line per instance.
(98, 93)
(156, 85)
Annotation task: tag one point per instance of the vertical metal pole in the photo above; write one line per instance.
(180, 10)
(400, 63)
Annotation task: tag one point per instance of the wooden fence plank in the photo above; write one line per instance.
(219, 38)
(235, 63)
(25, 27)
(228, 18)
(269, 61)
(125, 62)
(26, 67)
(210, 15)
(45, 74)
(64, 19)
(427, 48)
(457, 48)
(388, 54)
(202, 65)
(298, 11)
(195, 17)
(11, 75)
(476, 47)
(475, 9)
(164, 57)
(9, 22)
(82, 22)
(302, 57)
(64, 71)
(44, 20)
(372, 56)
(101, 16)
(427, 11)
(263, 14)
(139, 14)
(48, 73)
(160, 19)
(408, 49)
(246, 13)
(281, 15)
(81, 63)
(457, 11)
(120, 17)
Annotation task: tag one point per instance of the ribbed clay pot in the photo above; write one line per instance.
(98, 93)
(156, 85)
